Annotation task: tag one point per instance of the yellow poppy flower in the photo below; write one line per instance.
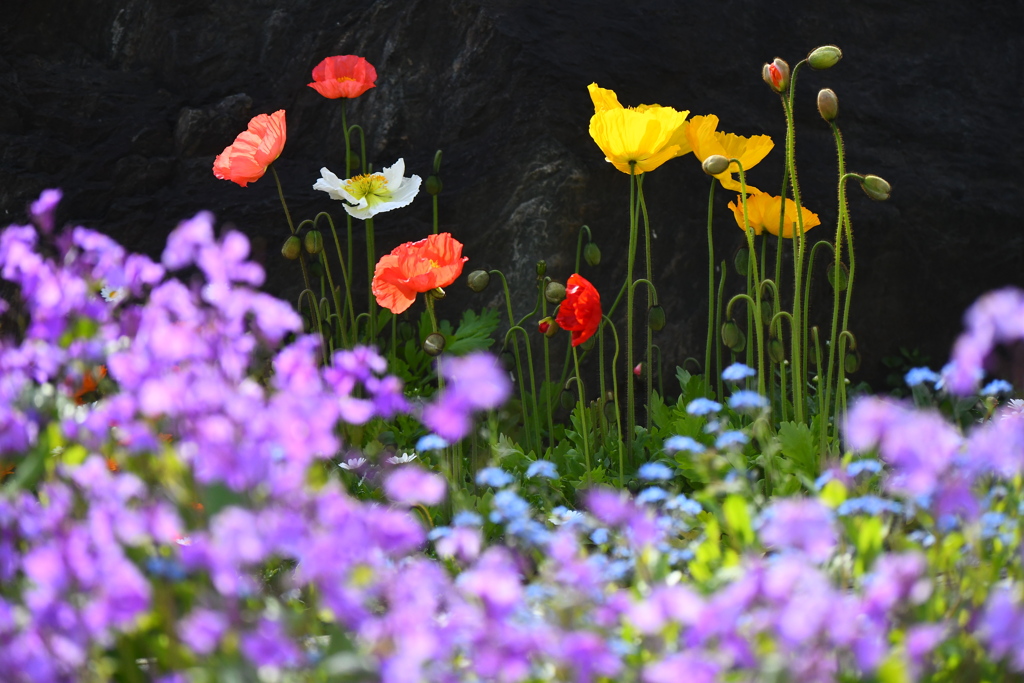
(648, 135)
(706, 140)
(763, 212)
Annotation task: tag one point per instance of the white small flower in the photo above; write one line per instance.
(369, 194)
(401, 459)
(113, 295)
(352, 463)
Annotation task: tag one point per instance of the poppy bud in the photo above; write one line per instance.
(433, 185)
(852, 362)
(592, 254)
(843, 276)
(638, 370)
(733, 337)
(434, 344)
(588, 344)
(824, 57)
(828, 104)
(437, 162)
(776, 350)
(314, 242)
(478, 280)
(566, 399)
(776, 75)
(542, 268)
(437, 293)
(715, 164)
(554, 292)
(292, 248)
(656, 318)
(740, 261)
(876, 188)
(547, 327)
(354, 160)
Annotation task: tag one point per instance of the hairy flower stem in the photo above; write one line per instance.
(548, 408)
(630, 259)
(371, 264)
(615, 397)
(348, 174)
(755, 274)
(712, 329)
(522, 389)
(845, 218)
(718, 326)
(652, 300)
(519, 365)
(583, 413)
(291, 227)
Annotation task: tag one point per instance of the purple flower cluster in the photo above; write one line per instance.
(995, 318)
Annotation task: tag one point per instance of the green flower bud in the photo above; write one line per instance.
(828, 104)
(292, 248)
(542, 268)
(876, 188)
(852, 362)
(554, 292)
(592, 254)
(843, 276)
(824, 57)
(656, 318)
(740, 261)
(314, 242)
(355, 162)
(776, 350)
(715, 164)
(776, 75)
(478, 280)
(437, 293)
(566, 398)
(433, 185)
(434, 344)
(733, 337)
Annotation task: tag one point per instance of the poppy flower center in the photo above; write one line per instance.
(371, 186)
(342, 79)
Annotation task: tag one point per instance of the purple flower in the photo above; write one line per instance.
(1002, 628)
(474, 382)
(687, 666)
(995, 318)
(412, 485)
(800, 524)
(269, 645)
(42, 209)
(202, 630)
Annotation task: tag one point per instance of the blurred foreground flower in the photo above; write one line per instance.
(580, 313)
(246, 159)
(648, 135)
(473, 382)
(416, 267)
(371, 193)
(707, 141)
(763, 213)
(343, 76)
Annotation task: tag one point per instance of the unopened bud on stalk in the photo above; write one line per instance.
(776, 350)
(843, 276)
(876, 188)
(566, 398)
(592, 254)
(554, 292)
(715, 164)
(355, 161)
(656, 318)
(828, 104)
(824, 57)
(314, 242)
(292, 248)
(741, 261)
(437, 162)
(478, 280)
(437, 293)
(434, 344)
(776, 75)
(542, 268)
(852, 362)
(638, 371)
(547, 327)
(733, 337)
(433, 185)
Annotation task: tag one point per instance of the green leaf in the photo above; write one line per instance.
(737, 518)
(474, 333)
(798, 444)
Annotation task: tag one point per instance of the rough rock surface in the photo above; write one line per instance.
(124, 104)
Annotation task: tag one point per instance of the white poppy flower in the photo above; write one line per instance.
(367, 195)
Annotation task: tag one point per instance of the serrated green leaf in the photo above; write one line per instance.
(474, 333)
(799, 445)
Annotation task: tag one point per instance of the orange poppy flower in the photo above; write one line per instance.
(90, 383)
(246, 159)
(580, 312)
(763, 213)
(343, 76)
(416, 267)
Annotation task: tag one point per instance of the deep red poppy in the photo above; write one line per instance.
(580, 313)
(343, 76)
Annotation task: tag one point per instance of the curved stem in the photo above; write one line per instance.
(315, 318)
(291, 227)
(752, 256)
(519, 364)
(583, 413)
(649, 356)
(837, 272)
(840, 387)
(615, 395)
(533, 386)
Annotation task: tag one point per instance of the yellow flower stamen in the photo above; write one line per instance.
(370, 186)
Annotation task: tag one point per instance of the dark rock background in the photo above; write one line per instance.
(125, 103)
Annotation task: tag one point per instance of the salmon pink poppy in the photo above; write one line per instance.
(416, 267)
(246, 159)
(580, 313)
(343, 76)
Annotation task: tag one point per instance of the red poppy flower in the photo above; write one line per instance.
(416, 267)
(246, 159)
(580, 313)
(90, 383)
(343, 76)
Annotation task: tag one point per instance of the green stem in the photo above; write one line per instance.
(652, 300)
(758, 325)
(630, 260)
(711, 291)
(522, 389)
(291, 227)
(615, 395)
(371, 266)
(519, 364)
(583, 413)
(718, 331)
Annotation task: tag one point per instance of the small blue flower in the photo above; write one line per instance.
(508, 506)
(542, 468)
(824, 478)
(439, 532)
(494, 477)
(738, 372)
(654, 471)
(917, 376)
(682, 443)
(703, 406)
(869, 505)
(747, 400)
(599, 536)
(731, 439)
(652, 494)
(467, 518)
(685, 505)
(858, 466)
(431, 442)
(997, 386)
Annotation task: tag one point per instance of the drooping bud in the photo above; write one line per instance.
(828, 104)
(478, 280)
(542, 268)
(876, 188)
(566, 398)
(314, 242)
(824, 57)
(715, 164)
(852, 362)
(733, 337)
(843, 276)
(434, 344)
(437, 293)
(433, 185)
(547, 327)
(592, 254)
(776, 75)
(292, 248)
(656, 318)
(554, 292)
(776, 350)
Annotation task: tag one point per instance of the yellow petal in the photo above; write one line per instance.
(758, 203)
(771, 217)
(700, 132)
(603, 98)
(645, 137)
